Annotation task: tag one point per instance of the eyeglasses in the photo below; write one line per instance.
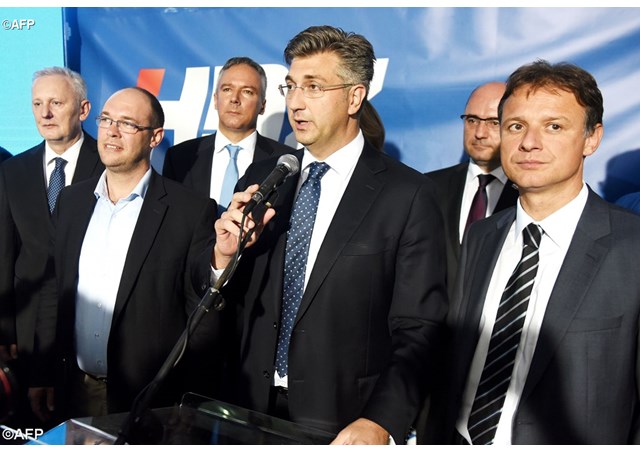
(474, 121)
(123, 126)
(312, 90)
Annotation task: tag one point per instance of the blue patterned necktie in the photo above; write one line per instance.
(303, 217)
(56, 182)
(231, 177)
(505, 339)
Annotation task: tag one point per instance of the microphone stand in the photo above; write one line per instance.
(212, 298)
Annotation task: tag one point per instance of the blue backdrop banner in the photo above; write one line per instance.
(429, 59)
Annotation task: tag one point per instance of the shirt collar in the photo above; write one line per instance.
(247, 143)
(560, 225)
(343, 160)
(70, 155)
(140, 190)
(474, 170)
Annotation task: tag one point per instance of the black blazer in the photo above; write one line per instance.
(190, 162)
(25, 227)
(450, 182)
(582, 387)
(368, 327)
(156, 292)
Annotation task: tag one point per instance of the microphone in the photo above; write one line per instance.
(287, 165)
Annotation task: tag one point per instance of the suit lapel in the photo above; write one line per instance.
(262, 150)
(508, 197)
(89, 163)
(149, 222)
(583, 259)
(200, 173)
(35, 182)
(455, 192)
(360, 194)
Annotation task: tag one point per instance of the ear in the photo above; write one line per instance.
(85, 108)
(593, 141)
(357, 95)
(215, 99)
(156, 137)
(264, 104)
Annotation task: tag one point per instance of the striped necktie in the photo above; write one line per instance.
(505, 339)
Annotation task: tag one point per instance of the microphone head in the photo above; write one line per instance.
(291, 162)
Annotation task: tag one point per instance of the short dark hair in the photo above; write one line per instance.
(157, 113)
(234, 61)
(562, 76)
(354, 51)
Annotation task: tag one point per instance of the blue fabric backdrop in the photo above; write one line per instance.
(429, 59)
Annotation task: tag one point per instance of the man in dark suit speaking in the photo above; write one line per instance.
(124, 250)
(212, 165)
(545, 314)
(29, 184)
(477, 188)
(342, 298)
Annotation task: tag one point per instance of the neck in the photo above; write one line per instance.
(236, 136)
(60, 146)
(540, 205)
(120, 185)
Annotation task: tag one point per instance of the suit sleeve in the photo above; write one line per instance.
(416, 318)
(7, 260)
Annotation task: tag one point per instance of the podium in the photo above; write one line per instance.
(196, 421)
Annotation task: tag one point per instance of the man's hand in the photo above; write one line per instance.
(228, 227)
(9, 352)
(362, 432)
(41, 400)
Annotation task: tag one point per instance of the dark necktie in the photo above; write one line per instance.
(56, 182)
(303, 217)
(505, 338)
(479, 204)
(231, 177)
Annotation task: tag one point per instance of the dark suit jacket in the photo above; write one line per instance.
(156, 292)
(25, 227)
(450, 182)
(367, 330)
(582, 387)
(4, 154)
(190, 162)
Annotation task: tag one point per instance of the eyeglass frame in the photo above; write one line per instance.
(322, 89)
(111, 122)
(465, 117)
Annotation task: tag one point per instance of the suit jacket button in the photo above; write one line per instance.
(265, 373)
(275, 325)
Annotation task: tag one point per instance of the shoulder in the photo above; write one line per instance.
(180, 195)
(273, 146)
(192, 144)
(448, 172)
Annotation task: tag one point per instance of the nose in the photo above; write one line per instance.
(295, 99)
(112, 130)
(482, 130)
(530, 141)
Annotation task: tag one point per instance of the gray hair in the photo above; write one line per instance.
(77, 82)
(234, 61)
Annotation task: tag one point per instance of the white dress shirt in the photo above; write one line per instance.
(102, 259)
(494, 190)
(332, 187)
(71, 155)
(558, 229)
(221, 160)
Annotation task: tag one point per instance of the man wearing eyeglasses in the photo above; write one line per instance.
(125, 244)
(212, 165)
(478, 187)
(28, 186)
(342, 298)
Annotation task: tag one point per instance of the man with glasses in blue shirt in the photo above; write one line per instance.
(125, 244)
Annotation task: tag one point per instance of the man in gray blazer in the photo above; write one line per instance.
(560, 366)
